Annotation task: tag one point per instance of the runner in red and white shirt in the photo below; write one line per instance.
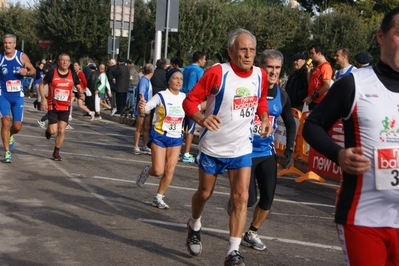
(234, 91)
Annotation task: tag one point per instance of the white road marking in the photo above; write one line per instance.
(271, 238)
(215, 192)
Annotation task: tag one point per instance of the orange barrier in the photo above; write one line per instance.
(300, 152)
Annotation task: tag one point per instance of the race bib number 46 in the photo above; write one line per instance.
(386, 161)
(13, 85)
(244, 107)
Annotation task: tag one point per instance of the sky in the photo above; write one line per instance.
(23, 2)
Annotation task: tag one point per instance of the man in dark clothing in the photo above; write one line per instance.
(158, 80)
(91, 84)
(297, 83)
(111, 79)
(86, 70)
(122, 77)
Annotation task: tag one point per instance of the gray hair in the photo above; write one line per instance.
(233, 36)
(270, 54)
(9, 35)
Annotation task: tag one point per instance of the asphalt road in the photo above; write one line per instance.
(87, 209)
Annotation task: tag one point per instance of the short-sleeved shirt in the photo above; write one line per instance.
(321, 73)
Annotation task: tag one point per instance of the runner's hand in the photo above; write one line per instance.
(211, 122)
(353, 162)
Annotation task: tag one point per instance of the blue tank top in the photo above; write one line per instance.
(10, 79)
(265, 146)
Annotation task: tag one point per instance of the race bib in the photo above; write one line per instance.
(244, 107)
(172, 123)
(13, 85)
(258, 124)
(61, 95)
(386, 161)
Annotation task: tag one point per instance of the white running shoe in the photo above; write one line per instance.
(42, 124)
(159, 203)
(92, 115)
(251, 239)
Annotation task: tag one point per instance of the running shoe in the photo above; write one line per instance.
(136, 150)
(47, 134)
(146, 150)
(69, 126)
(193, 241)
(56, 156)
(142, 177)
(42, 124)
(7, 157)
(234, 259)
(113, 112)
(159, 203)
(98, 118)
(92, 115)
(11, 142)
(188, 159)
(251, 239)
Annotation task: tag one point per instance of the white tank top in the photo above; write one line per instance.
(235, 103)
(375, 112)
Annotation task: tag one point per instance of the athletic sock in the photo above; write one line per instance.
(234, 244)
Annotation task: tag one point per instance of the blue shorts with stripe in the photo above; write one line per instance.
(214, 166)
(163, 141)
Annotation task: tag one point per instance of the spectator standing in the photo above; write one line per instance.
(367, 205)
(158, 80)
(362, 60)
(297, 83)
(143, 122)
(226, 143)
(91, 86)
(166, 137)
(86, 70)
(15, 66)
(122, 76)
(177, 62)
(102, 88)
(61, 81)
(191, 76)
(319, 78)
(112, 83)
(341, 58)
(134, 74)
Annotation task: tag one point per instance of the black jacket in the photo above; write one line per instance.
(297, 87)
(122, 76)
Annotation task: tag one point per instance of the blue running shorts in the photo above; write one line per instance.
(216, 166)
(163, 141)
(14, 105)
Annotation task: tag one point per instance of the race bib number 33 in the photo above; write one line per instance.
(244, 107)
(386, 161)
(172, 123)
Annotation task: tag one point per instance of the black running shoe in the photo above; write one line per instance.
(48, 135)
(56, 156)
(193, 241)
(234, 259)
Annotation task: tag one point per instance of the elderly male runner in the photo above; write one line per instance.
(235, 91)
(14, 66)
(61, 81)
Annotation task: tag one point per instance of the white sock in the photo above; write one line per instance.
(234, 244)
(187, 154)
(195, 224)
(159, 196)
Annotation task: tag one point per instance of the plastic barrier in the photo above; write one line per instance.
(300, 152)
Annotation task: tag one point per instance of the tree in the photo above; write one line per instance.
(77, 27)
(342, 28)
(20, 22)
